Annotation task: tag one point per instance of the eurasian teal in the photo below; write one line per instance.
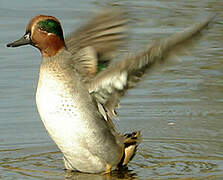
(75, 101)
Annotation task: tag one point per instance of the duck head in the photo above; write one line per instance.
(44, 33)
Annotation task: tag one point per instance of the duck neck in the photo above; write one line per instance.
(52, 48)
(60, 62)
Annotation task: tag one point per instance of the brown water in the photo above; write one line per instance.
(178, 108)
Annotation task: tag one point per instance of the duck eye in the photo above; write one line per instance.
(51, 26)
(42, 29)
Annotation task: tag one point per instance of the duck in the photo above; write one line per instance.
(79, 88)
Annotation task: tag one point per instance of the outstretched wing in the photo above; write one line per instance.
(109, 85)
(92, 45)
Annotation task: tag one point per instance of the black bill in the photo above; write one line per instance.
(22, 41)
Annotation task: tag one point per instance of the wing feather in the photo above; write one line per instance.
(99, 38)
(109, 85)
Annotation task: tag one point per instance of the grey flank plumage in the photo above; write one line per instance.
(109, 85)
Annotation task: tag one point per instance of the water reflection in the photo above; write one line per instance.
(124, 175)
(164, 158)
(49, 164)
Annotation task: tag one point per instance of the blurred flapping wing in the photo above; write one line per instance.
(109, 85)
(93, 44)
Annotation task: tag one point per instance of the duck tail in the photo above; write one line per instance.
(131, 142)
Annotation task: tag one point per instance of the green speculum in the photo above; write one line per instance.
(102, 65)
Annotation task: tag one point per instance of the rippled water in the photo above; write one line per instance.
(179, 108)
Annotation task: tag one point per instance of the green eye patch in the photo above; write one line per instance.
(51, 26)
